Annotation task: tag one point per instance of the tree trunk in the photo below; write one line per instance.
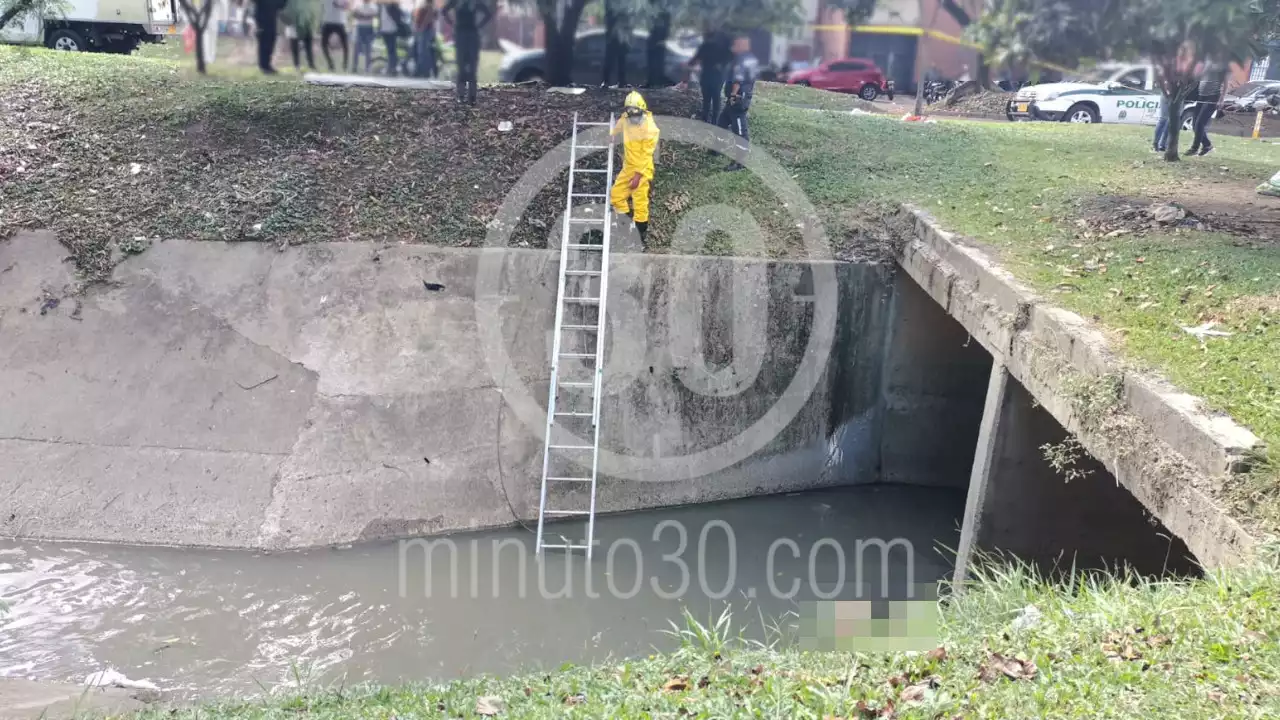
(656, 49)
(983, 76)
(18, 8)
(559, 57)
(1172, 111)
(560, 35)
(200, 66)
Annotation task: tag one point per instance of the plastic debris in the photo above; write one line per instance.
(1200, 332)
(111, 678)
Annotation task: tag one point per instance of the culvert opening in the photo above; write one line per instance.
(1053, 504)
(1046, 501)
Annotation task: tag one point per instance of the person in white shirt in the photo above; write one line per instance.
(390, 19)
(335, 23)
(365, 13)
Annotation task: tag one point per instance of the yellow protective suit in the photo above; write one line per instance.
(639, 143)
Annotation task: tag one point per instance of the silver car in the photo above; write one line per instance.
(588, 61)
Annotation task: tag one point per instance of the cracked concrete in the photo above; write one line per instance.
(235, 395)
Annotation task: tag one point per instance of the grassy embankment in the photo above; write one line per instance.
(1119, 648)
(271, 160)
(104, 149)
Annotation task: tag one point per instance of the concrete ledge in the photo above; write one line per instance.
(1184, 451)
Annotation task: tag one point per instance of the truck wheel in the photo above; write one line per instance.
(1188, 119)
(529, 75)
(869, 92)
(68, 40)
(1081, 113)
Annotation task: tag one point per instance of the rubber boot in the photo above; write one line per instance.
(643, 228)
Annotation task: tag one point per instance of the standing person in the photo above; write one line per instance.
(424, 38)
(300, 18)
(335, 23)
(712, 58)
(639, 145)
(461, 14)
(265, 14)
(364, 13)
(1208, 96)
(389, 21)
(1161, 140)
(738, 90)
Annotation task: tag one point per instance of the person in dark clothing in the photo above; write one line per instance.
(1208, 96)
(335, 24)
(713, 57)
(462, 15)
(391, 23)
(617, 44)
(265, 13)
(739, 87)
(300, 39)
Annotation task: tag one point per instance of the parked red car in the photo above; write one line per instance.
(850, 75)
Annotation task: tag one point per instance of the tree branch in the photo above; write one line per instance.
(954, 10)
(17, 8)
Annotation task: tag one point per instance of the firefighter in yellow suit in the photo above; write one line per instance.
(639, 144)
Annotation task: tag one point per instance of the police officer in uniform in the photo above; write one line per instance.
(739, 87)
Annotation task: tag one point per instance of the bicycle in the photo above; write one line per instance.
(446, 64)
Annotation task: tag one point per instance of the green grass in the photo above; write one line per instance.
(1019, 189)
(384, 165)
(1103, 647)
(797, 96)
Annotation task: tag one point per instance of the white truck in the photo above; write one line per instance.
(114, 26)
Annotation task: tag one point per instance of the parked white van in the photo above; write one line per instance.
(114, 26)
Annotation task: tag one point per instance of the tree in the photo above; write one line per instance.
(1177, 36)
(198, 13)
(560, 22)
(11, 9)
(964, 18)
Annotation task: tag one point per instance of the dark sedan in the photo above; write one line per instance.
(588, 61)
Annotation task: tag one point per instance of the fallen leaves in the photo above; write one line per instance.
(997, 666)
(1130, 643)
(680, 683)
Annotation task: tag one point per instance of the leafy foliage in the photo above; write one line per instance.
(739, 15)
(12, 9)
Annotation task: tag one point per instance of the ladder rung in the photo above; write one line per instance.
(568, 513)
(592, 147)
(586, 246)
(564, 547)
(582, 272)
(584, 123)
(574, 414)
(576, 383)
(569, 479)
(587, 220)
(580, 356)
(590, 170)
(572, 447)
(579, 327)
(583, 300)
(589, 195)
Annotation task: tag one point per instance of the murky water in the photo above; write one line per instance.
(218, 623)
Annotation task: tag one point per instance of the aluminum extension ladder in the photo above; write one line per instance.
(577, 366)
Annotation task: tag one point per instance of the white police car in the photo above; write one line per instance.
(1086, 103)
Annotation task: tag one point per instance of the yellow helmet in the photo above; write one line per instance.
(635, 100)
